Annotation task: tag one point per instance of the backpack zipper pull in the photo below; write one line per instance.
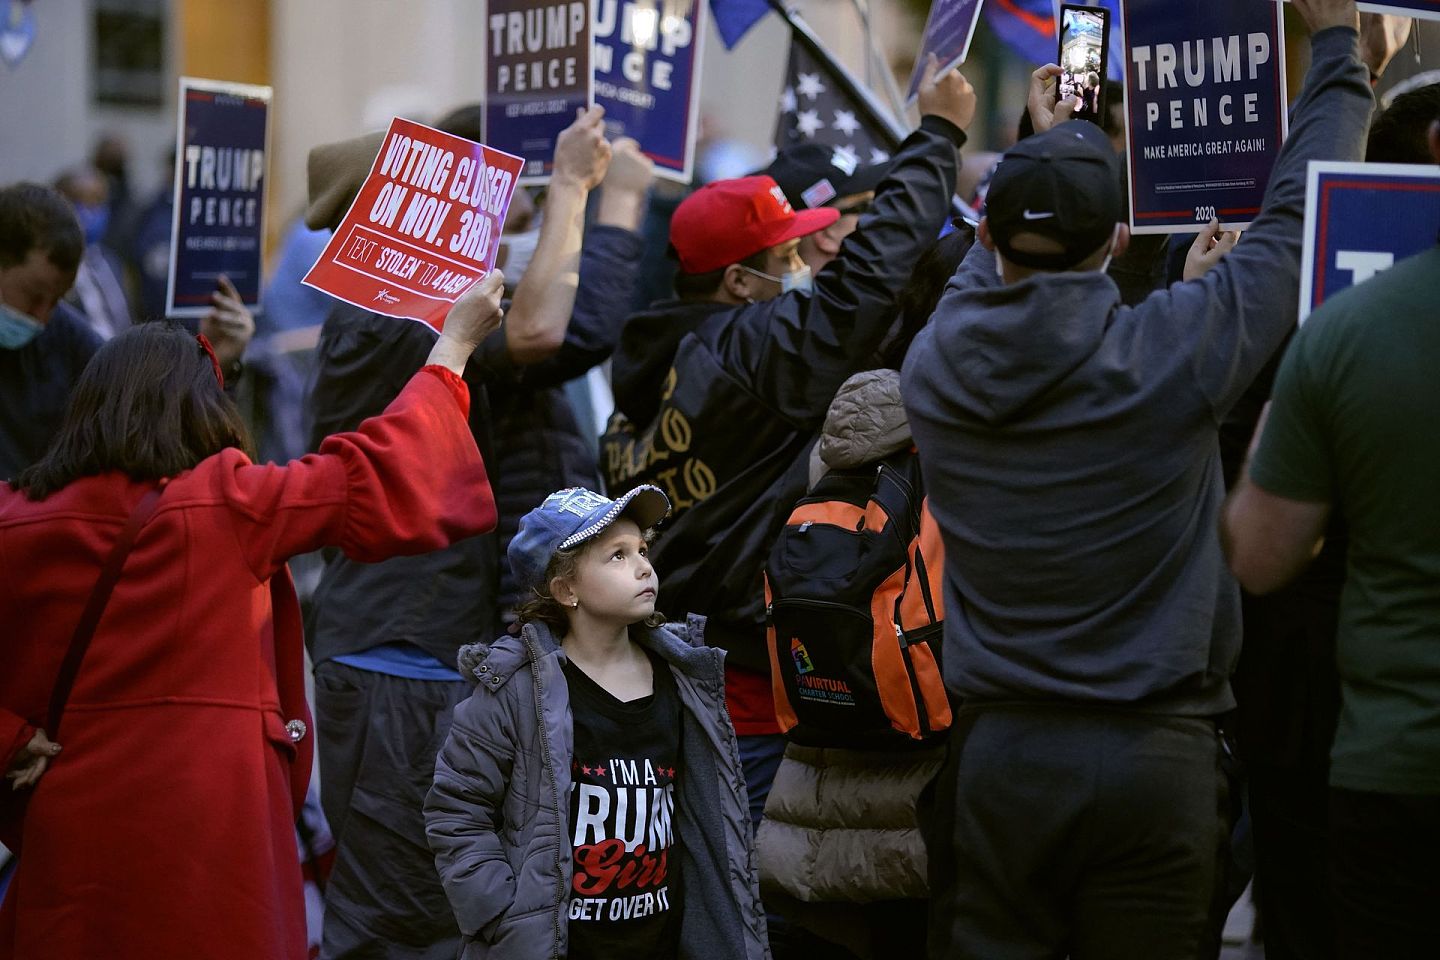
(805, 526)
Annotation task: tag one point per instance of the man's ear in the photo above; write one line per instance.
(982, 233)
(736, 284)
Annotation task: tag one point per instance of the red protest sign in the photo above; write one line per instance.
(423, 229)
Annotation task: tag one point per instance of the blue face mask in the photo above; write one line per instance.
(93, 221)
(801, 280)
(17, 329)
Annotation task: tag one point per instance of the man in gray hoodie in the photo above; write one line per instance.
(1069, 445)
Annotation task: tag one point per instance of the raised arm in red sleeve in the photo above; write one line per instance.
(407, 481)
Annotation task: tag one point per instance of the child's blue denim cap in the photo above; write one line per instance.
(572, 516)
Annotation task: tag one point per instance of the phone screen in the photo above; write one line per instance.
(1084, 50)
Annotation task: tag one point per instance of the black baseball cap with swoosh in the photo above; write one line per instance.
(1063, 185)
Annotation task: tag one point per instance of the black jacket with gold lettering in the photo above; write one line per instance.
(718, 405)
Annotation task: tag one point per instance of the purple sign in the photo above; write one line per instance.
(220, 174)
(948, 31)
(1204, 109)
(647, 77)
(537, 74)
(1360, 219)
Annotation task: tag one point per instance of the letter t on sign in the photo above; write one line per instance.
(1363, 264)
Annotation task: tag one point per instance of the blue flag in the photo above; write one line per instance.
(1028, 27)
(734, 18)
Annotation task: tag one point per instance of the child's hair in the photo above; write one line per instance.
(544, 608)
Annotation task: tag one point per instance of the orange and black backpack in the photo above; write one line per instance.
(853, 601)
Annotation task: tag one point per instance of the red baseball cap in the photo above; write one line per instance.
(728, 220)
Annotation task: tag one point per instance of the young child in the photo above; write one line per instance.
(588, 801)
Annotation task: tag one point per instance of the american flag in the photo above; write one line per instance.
(819, 103)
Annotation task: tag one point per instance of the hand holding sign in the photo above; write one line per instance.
(949, 97)
(581, 153)
(1210, 247)
(1324, 14)
(1044, 111)
(474, 317)
(630, 170)
(228, 326)
(626, 186)
(1382, 36)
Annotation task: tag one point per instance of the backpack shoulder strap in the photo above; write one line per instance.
(902, 492)
(99, 597)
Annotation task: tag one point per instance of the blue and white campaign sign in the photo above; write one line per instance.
(1360, 219)
(220, 175)
(948, 32)
(1204, 109)
(537, 74)
(647, 77)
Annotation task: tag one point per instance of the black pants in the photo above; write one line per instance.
(1288, 691)
(1093, 834)
(1292, 889)
(1385, 871)
(378, 736)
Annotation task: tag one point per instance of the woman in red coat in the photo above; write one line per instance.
(164, 828)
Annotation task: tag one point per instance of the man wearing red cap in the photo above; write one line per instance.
(720, 392)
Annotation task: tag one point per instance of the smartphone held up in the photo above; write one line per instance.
(1084, 58)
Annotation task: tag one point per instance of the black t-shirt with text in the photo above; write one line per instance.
(625, 896)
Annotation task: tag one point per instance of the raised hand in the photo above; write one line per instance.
(949, 96)
(1381, 37)
(474, 317)
(581, 153)
(626, 186)
(1045, 113)
(630, 170)
(228, 326)
(1324, 14)
(1210, 246)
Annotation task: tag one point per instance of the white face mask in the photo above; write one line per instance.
(1114, 239)
(519, 251)
(800, 279)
